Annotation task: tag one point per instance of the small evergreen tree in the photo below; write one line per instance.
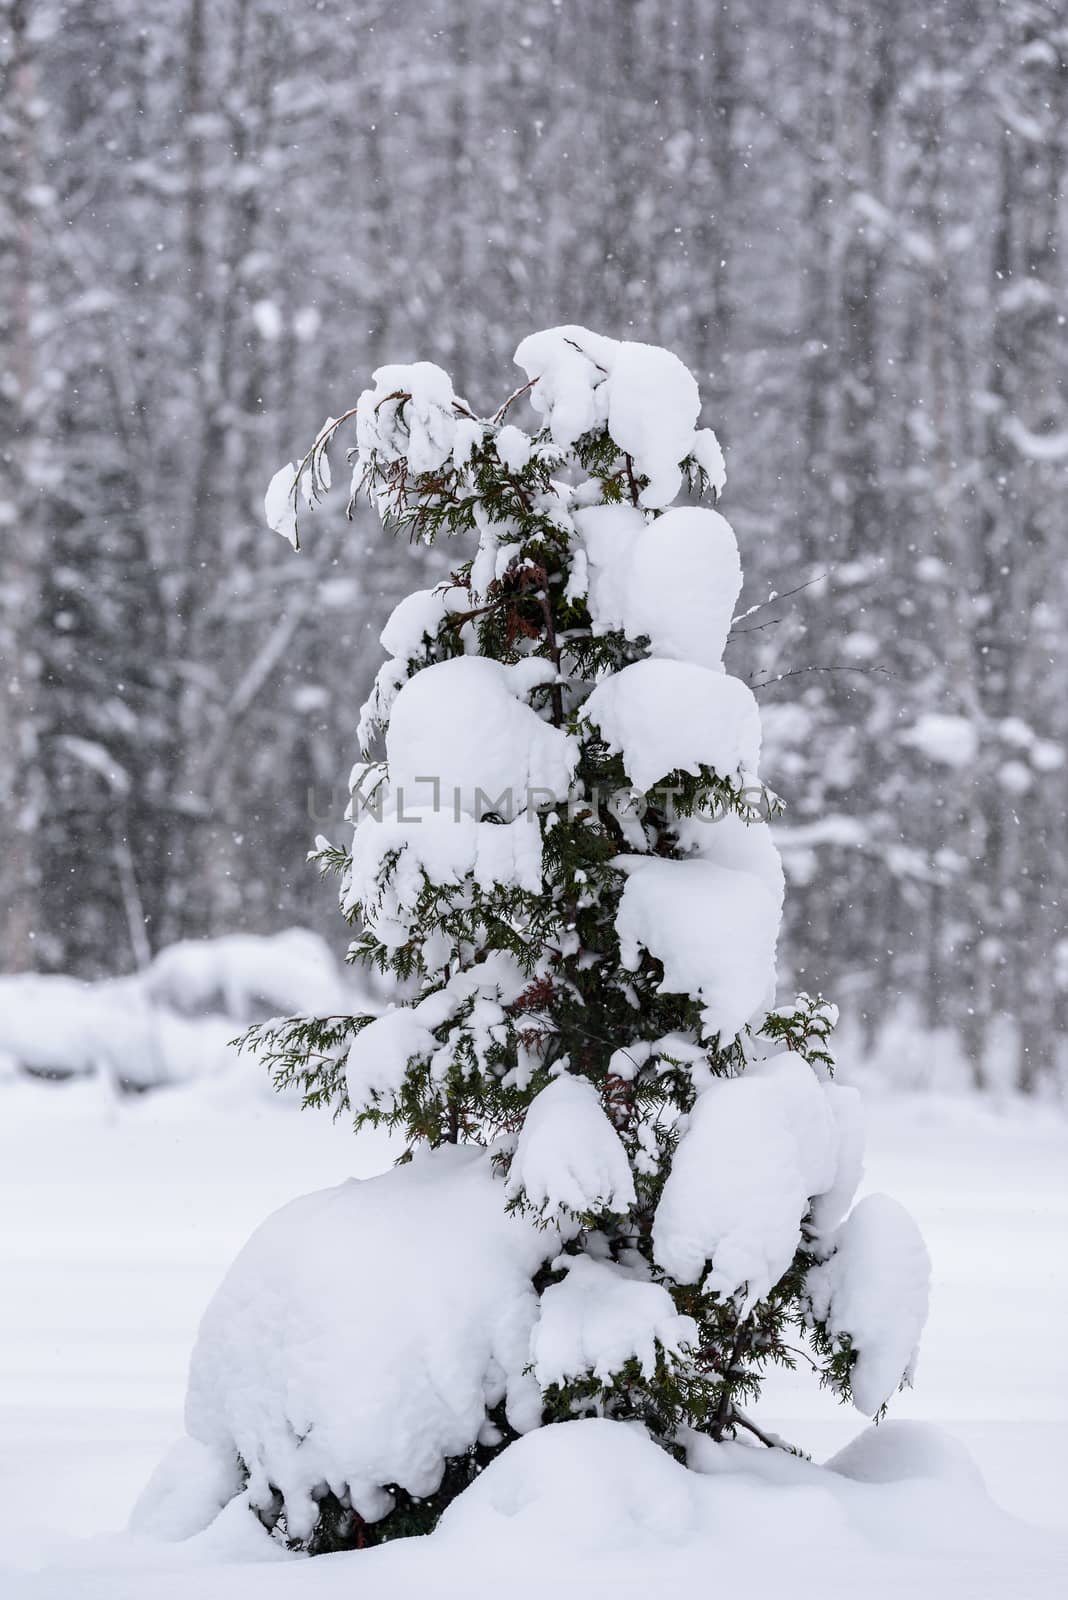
(561, 851)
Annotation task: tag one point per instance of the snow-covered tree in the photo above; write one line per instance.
(561, 850)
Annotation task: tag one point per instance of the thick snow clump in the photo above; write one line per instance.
(874, 1288)
(675, 579)
(714, 930)
(461, 736)
(645, 395)
(569, 1155)
(672, 716)
(756, 1149)
(364, 1332)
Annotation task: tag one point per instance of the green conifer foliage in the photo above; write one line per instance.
(518, 980)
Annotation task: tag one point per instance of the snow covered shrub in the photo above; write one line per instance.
(561, 843)
(173, 1022)
(246, 976)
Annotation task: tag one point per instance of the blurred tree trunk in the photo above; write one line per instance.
(1022, 533)
(22, 535)
(257, 205)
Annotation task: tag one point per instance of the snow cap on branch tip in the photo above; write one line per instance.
(755, 1151)
(708, 454)
(379, 1055)
(514, 447)
(872, 1291)
(673, 716)
(674, 580)
(599, 1318)
(644, 395)
(418, 617)
(830, 1207)
(409, 414)
(395, 859)
(739, 845)
(569, 1156)
(712, 928)
(463, 725)
(468, 434)
(308, 478)
(280, 503)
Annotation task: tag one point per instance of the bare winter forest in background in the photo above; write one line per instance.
(845, 215)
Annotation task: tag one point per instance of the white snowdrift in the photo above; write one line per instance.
(595, 1508)
(55, 1026)
(186, 1492)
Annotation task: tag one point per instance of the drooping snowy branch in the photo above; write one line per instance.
(869, 1299)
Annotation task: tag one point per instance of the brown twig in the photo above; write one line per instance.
(512, 398)
(794, 672)
(772, 1440)
(742, 1339)
(773, 599)
(398, 394)
(631, 480)
(576, 346)
(736, 633)
(556, 692)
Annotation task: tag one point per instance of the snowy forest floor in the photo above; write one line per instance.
(119, 1218)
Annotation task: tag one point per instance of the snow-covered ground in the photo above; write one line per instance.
(117, 1219)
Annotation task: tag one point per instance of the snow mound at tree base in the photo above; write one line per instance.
(596, 1508)
(358, 1342)
(600, 1485)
